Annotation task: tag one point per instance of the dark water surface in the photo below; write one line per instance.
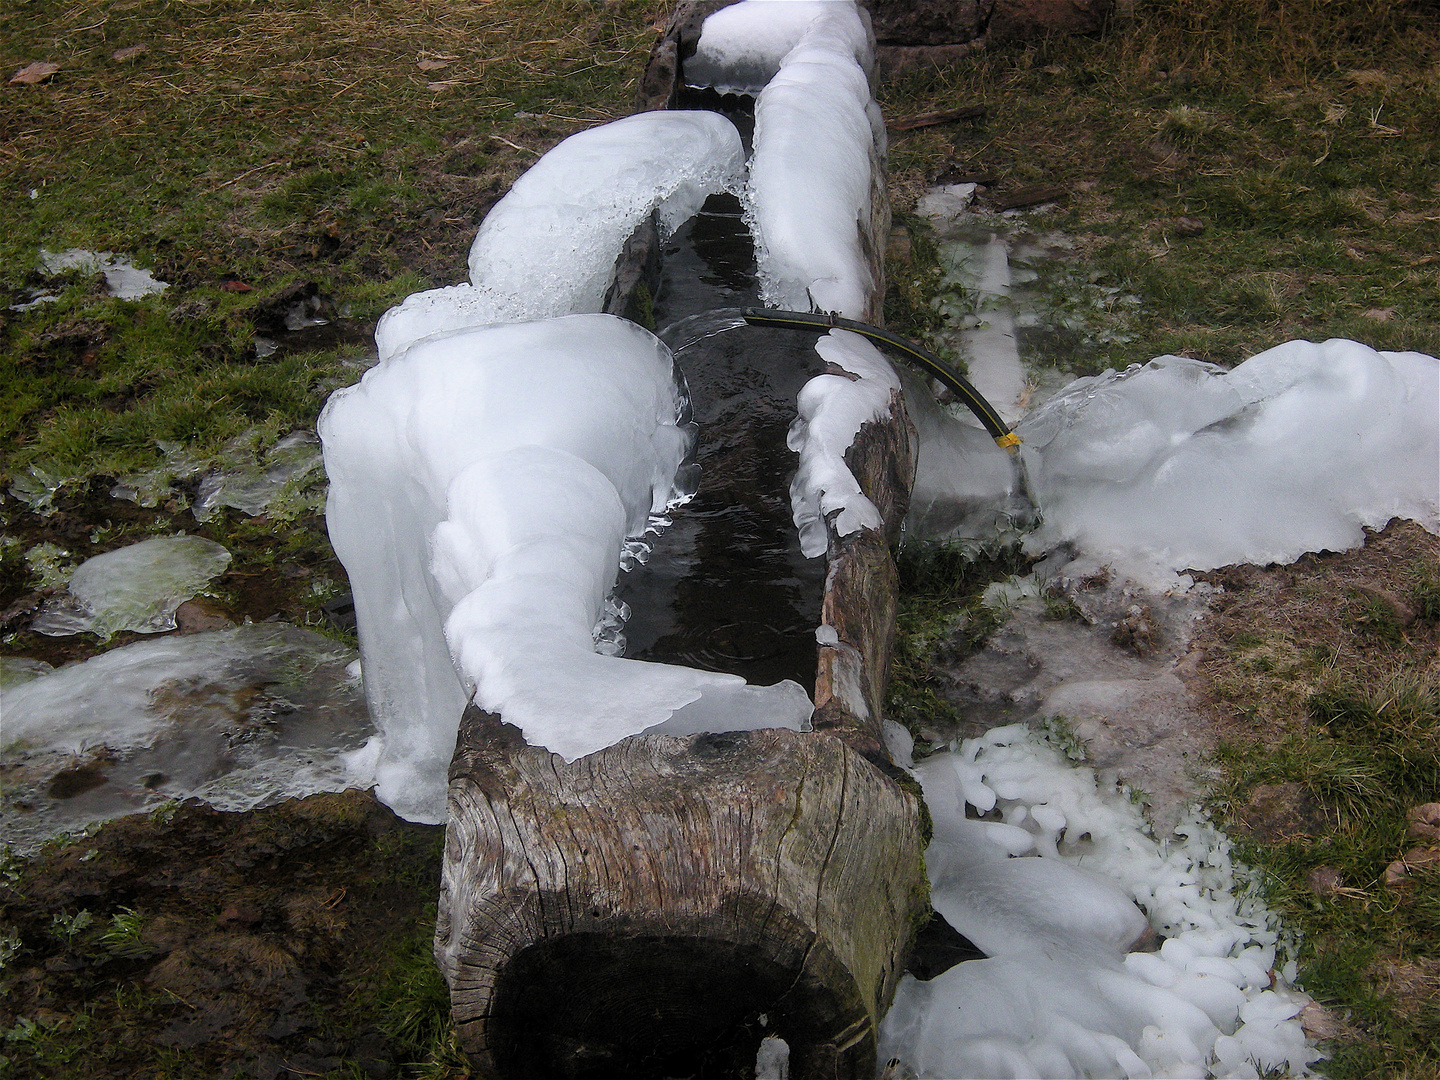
(726, 588)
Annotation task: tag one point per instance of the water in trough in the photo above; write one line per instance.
(725, 587)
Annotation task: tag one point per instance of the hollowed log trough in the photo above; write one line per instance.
(656, 908)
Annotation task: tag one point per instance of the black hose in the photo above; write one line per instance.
(923, 358)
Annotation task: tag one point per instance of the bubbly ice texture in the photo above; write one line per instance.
(137, 587)
(741, 46)
(819, 138)
(240, 718)
(481, 486)
(548, 248)
(1179, 464)
(1050, 894)
(832, 409)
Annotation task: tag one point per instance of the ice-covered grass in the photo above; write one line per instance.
(548, 248)
(742, 46)
(832, 409)
(481, 487)
(1047, 885)
(819, 139)
(123, 280)
(239, 718)
(1179, 465)
(136, 587)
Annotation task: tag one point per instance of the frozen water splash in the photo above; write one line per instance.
(482, 486)
(819, 138)
(1180, 465)
(283, 481)
(137, 587)
(240, 718)
(1054, 882)
(742, 46)
(287, 480)
(123, 280)
(832, 409)
(548, 248)
(36, 487)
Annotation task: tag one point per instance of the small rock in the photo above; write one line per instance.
(129, 52)
(1320, 1023)
(1324, 881)
(1379, 314)
(240, 912)
(197, 615)
(34, 73)
(1425, 822)
(1397, 874)
(1187, 226)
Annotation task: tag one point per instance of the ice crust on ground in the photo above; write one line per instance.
(482, 484)
(1179, 464)
(239, 718)
(1050, 892)
(123, 280)
(137, 587)
(548, 248)
(818, 139)
(742, 46)
(832, 409)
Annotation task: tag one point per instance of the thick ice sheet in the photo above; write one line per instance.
(1050, 893)
(239, 718)
(548, 248)
(1181, 465)
(818, 141)
(832, 410)
(136, 587)
(741, 46)
(481, 485)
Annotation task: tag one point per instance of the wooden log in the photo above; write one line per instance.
(656, 908)
(659, 906)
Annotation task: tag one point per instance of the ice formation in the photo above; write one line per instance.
(548, 248)
(818, 139)
(832, 410)
(1049, 892)
(240, 718)
(481, 485)
(742, 46)
(137, 587)
(254, 487)
(123, 280)
(1179, 464)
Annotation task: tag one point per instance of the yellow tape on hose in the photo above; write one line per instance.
(1008, 440)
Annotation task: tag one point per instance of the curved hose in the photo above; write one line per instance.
(923, 358)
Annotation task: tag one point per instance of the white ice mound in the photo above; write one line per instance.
(1050, 894)
(137, 587)
(818, 142)
(530, 541)
(741, 46)
(528, 554)
(548, 248)
(1179, 464)
(832, 410)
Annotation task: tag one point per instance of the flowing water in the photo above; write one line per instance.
(725, 587)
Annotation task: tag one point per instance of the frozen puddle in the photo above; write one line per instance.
(239, 718)
(123, 279)
(1057, 880)
(137, 587)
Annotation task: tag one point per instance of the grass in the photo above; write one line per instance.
(1300, 138)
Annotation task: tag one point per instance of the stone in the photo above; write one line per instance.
(1424, 822)
(1324, 881)
(1278, 813)
(1321, 1023)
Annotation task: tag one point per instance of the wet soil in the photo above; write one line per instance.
(195, 943)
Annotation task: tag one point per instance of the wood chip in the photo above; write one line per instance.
(130, 52)
(1032, 195)
(34, 73)
(949, 116)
